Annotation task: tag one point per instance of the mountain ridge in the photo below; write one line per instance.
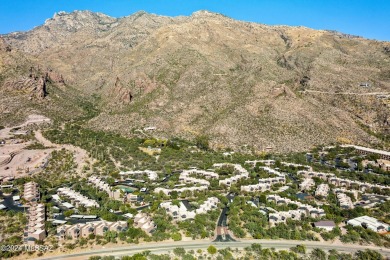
(238, 82)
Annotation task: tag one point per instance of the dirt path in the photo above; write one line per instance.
(80, 155)
(346, 93)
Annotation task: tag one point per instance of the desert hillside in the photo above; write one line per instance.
(239, 83)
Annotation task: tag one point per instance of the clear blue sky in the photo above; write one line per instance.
(367, 18)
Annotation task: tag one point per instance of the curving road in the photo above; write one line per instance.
(165, 247)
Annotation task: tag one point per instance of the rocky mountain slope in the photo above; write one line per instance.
(240, 83)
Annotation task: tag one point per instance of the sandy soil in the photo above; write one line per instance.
(31, 119)
(29, 160)
(14, 160)
(23, 162)
(80, 155)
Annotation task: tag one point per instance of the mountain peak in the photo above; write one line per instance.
(76, 20)
(206, 14)
(140, 12)
(79, 13)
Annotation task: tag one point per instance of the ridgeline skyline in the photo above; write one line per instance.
(363, 18)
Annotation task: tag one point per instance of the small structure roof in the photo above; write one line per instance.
(325, 223)
(90, 217)
(128, 215)
(56, 197)
(59, 222)
(67, 205)
(76, 216)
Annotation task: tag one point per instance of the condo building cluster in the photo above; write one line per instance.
(97, 228)
(263, 185)
(181, 212)
(355, 193)
(266, 183)
(265, 162)
(303, 209)
(199, 180)
(144, 222)
(310, 174)
(322, 190)
(332, 179)
(369, 223)
(350, 183)
(272, 162)
(31, 192)
(273, 171)
(296, 165)
(345, 201)
(152, 175)
(364, 150)
(35, 229)
(241, 173)
(102, 185)
(307, 184)
(185, 178)
(36, 223)
(76, 198)
(180, 190)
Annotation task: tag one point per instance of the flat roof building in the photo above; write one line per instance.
(76, 198)
(303, 209)
(322, 190)
(345, 201)
(369, 223)
(102, 185)
(67, 205)
(365, 150)
(97, 228)
(144, 222)
(328, 225)
(241, 173)
(265, 162)
(31, 191)
(36, 223)
(307, 184)
(152, 175)
(181, 212)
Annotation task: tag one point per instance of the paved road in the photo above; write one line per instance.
(164, 247)
(222, 231)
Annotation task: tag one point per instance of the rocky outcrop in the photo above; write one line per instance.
(35, 86)
(55, 77)
(386, 50)
(304, 82)
(121, 93)
(144, 84)
(4, 46)
(282, 91)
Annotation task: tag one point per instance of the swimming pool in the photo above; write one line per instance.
(126, 188)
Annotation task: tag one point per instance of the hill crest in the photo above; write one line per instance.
(237, 82)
